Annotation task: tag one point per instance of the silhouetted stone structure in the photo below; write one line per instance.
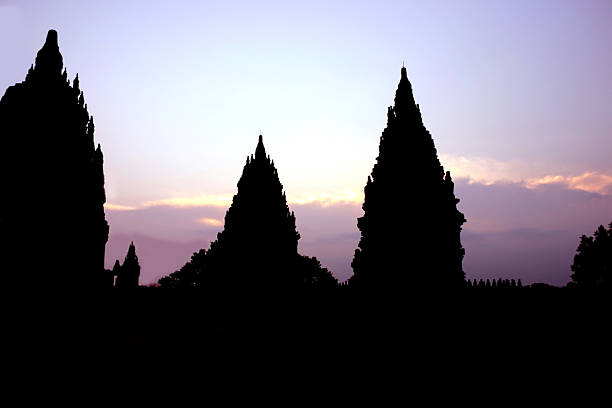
(410, 230)
(53, 230)
(257, 249)
(499, 284)
(129, 272)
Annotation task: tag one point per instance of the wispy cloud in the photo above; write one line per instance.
(484, 170)
(480, 170)
(506, 221)
(193, 201)
(213, 222)
(590, 181)
(327, 199)
(224, 201)
(489, 171)
(119, 207)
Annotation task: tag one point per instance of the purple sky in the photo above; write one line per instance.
(517, 95)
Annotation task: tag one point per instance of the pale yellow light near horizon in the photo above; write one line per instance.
(590, 181)
(224, 201)
(476, 170)
(211, 221)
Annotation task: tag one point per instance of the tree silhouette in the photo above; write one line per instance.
(129, 272)
(410, 230)
(592, 265)
(257, 249)
(313, 274)
(189, 273)
(51, 179)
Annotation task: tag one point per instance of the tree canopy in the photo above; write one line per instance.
(592, 265)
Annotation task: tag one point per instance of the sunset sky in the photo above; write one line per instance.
(516, 94)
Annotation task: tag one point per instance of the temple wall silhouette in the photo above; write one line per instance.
(494, 284)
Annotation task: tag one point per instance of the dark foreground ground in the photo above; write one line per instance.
(154, 342)
(339, 326)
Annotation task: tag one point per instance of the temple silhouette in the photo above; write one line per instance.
(258, 247)
(53, 229)
(127, 273)
(410, 230)
(53, 234)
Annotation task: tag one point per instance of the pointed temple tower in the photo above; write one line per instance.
(53, 230)
(257, 251)
(258, 245)
(129, 272)
(410, 230)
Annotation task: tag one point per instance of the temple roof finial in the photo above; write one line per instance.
(51, 38)
(260, 151)
(49, 58)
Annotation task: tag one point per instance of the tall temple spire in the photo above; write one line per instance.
(129, 272)
(259, 240)
(47, 150)
(410, 230)
(258, 247)
(404, 98)
(260, 151)
(49, 58)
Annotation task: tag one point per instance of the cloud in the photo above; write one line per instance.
(328, 232)
(483, 170)
(193, 201)
(590, 181)
(479, 170)
(118, 207)
(167, 223)
(487, 171)
(224, 201)
(521, 222)
(511, 231)
(327, 199)
(211, 221)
